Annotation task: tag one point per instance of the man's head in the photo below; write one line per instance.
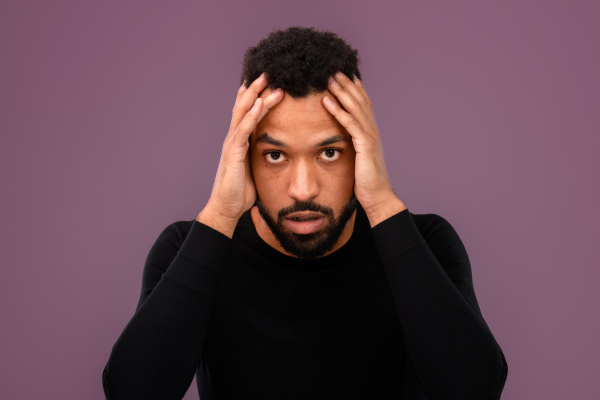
(302, 158)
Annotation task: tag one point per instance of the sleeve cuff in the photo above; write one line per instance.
(396, 235)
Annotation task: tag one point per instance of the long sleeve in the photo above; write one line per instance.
(156, 355)
(454, 352)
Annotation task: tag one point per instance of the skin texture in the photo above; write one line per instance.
(302, 175)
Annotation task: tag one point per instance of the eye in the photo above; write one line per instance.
(275, 157)
(331, 154)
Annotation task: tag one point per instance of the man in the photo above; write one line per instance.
(305, 276)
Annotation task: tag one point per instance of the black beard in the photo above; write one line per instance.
(309, 245)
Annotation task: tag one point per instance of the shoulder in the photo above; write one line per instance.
(178, 229)
(439, 234)
(429, 223)
(169, 241)
(176, 232)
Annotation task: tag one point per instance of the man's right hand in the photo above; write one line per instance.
(233, 191)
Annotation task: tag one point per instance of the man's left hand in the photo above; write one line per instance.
(372, 186)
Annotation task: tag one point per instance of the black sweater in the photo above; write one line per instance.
(392, 314)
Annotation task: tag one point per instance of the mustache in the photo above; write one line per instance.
(304, 206)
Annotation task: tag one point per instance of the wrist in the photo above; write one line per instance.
(214, 219)
(385, 210)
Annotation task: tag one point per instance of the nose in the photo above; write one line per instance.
(303, 184)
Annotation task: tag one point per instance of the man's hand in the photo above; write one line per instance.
(234, 190)
(372, 186)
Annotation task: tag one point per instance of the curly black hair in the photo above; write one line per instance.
(299, 60)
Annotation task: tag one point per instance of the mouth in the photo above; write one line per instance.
(305, 222)
(309, 225)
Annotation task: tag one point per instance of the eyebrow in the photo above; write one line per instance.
(265, 138)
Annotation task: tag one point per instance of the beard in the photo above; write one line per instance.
(309, 245)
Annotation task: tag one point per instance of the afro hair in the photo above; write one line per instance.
(299, 60)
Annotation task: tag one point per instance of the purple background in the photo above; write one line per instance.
(113, 115)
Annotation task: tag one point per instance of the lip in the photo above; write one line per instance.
(305, 214)
(306, 226)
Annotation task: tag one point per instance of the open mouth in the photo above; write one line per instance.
(305, 225)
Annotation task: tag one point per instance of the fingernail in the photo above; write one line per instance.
(327, 99)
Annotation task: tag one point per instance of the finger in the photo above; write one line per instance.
(240, 92)
(246, 100)
(242, 89)
(239, 138)
(270, 101)
(351, 104)
(354, 128)
(351, 87)
(358, 83)
(354, 88)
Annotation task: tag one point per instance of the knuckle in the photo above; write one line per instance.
(337, 110)
(365, 99)
(247, 122)
(354, 122)
(255, 84)
(356, 105)
(253, 117)
(346, 120)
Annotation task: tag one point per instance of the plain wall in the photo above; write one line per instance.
(113, 115)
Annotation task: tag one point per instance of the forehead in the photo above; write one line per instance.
(300, 118)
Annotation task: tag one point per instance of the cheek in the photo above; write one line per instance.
(344, 171)
(268, 181)
(338, 183)
(262, 173)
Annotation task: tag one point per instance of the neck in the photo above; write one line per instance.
(266, 234)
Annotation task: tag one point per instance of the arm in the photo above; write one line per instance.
(454, 352)
(156, 355)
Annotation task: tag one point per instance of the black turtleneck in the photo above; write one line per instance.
(392, 314)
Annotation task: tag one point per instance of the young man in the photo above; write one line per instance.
(305, 276)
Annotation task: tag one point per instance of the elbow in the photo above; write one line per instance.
(497, 376)
(105, 384)
(488, 375)
(503, 375)
(112, 392)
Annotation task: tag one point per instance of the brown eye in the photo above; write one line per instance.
(331, 154)
(275, 157)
